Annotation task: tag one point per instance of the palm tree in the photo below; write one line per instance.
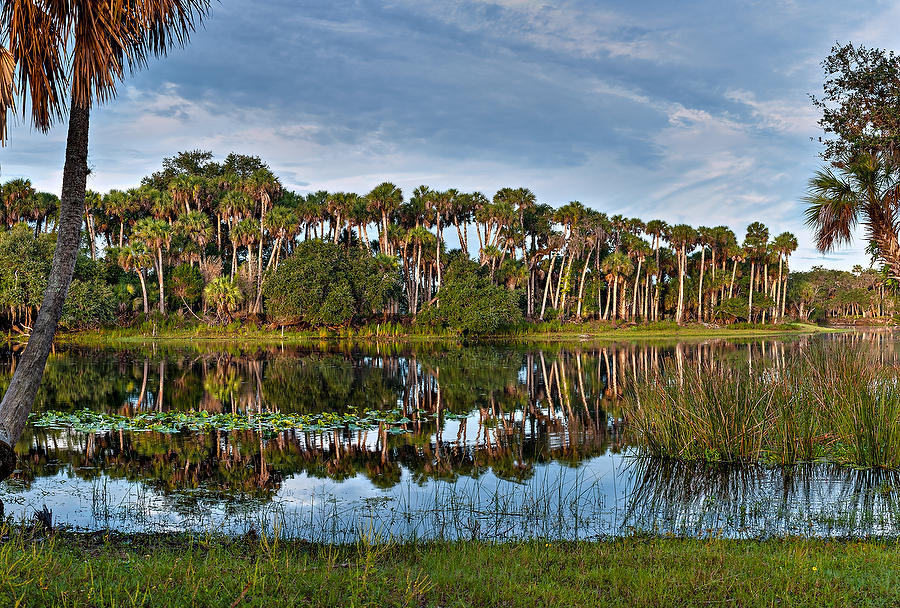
(864, 189)
(117, 204)
(385, 199)
(225, 295)
(93, 204)
(281, 222)
(156, 235)
(705, 237)
(615, 266)
(736, 254)
(656, 228)
(756, 243)
(196, 227)
(784, 245)
(440, 204)
(137, 257)
(17, 195)
(637, 249)
(234, 206)
(81, 48)
(682, 238)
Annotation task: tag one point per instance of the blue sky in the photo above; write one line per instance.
(692, 112)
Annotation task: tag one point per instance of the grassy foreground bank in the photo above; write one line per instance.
(394, 332)
(116, 570)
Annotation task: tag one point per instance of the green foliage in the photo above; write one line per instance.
(323, 284)
(470, 303)
(731, 309)
(90, 303)
(24, 267)
(224, 295)
(185, 285)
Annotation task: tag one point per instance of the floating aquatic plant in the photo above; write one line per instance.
(268, 422)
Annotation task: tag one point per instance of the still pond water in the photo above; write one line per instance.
(503, 442)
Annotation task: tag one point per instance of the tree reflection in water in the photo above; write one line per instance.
(475, 411)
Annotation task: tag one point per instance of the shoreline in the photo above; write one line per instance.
(584, 333)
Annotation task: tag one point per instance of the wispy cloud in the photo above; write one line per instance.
(693, 112)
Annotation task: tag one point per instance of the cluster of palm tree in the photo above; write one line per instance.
(20, 201)
(234, 221)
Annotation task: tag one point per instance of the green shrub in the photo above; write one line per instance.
(90, 303)
(322, 284)
(470, 303)
(184, 285)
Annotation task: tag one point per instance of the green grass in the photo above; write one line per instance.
(121, 570)
(835, 402)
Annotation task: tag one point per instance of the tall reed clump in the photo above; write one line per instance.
(859, 396)
(836, 402)
(704, 412)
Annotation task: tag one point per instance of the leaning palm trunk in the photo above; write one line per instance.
(547, 286)
(23, 387)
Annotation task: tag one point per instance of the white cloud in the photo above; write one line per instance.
(797, 117)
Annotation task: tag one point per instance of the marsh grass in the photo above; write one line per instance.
(835, 402)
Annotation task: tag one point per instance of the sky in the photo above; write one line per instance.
(694, 112)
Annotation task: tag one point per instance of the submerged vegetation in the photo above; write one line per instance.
(832, 402)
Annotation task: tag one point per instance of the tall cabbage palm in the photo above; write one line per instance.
(784, 245)
(683, 239)
(706, 237)
(864, 190)
(385, 199)
(156, 235)
(756, 244)
(282, 223)
(615, 266)
(136, 257)
(656, 229)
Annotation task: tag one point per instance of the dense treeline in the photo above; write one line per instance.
(215, 241)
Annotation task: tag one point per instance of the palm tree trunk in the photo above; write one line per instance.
(679, 311)
(784, 294)
(144, 291)
(779, 292)
(637, 282)
(731, 284)
(547, 287)
(19, 397)
(700, 287)
(750, 303)
(562, 306)
(581, 284)
(615, 298)
(159, 275)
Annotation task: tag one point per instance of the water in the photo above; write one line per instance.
(504, 442)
